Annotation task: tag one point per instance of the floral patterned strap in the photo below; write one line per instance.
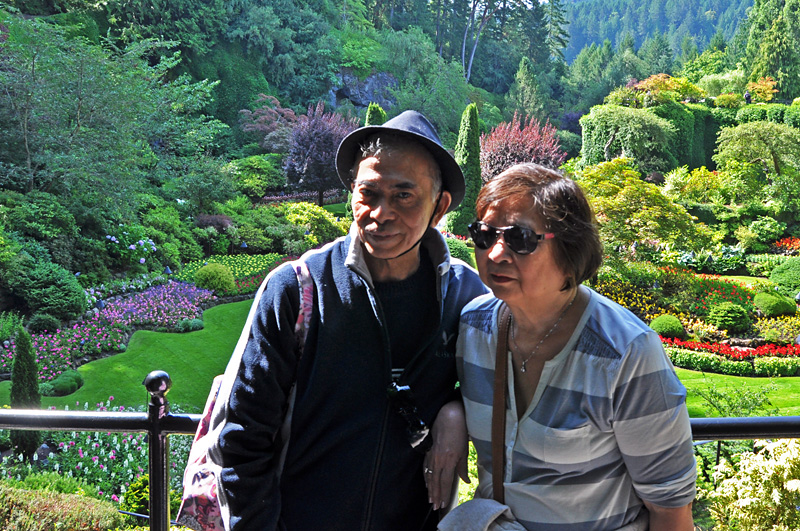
(200, 508)
(306, 302)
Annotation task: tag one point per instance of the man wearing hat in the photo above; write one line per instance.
(377, 369)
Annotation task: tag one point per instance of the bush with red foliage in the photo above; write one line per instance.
(271, 123)
(519, 141)
(217, 221)
(310, 162)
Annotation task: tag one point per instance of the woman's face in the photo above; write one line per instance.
(518, 279)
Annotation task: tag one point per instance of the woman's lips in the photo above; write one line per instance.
(500, 279)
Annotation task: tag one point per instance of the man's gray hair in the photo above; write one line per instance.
(384, 143)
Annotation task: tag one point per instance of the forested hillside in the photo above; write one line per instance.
(684, 22)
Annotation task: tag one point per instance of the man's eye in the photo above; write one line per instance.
(403, 195)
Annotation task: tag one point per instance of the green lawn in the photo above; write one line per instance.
(192, 360)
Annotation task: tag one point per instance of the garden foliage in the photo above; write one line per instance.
(668, 326)
(520, 140)
(787, 277)
(468, 156)
(25, 392)
(43, 510)
(214, 277)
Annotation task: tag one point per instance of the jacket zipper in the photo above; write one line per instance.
(375, 469)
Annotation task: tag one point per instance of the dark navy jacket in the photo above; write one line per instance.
(348, 464)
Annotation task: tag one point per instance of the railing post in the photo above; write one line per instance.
(158, 384)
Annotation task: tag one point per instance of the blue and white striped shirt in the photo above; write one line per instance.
(606, 429)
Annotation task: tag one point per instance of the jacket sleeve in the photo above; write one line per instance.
(252, 405)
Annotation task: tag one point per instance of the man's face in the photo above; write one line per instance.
(393, 200)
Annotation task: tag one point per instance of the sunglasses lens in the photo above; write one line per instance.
(482, 235)
(520, 240)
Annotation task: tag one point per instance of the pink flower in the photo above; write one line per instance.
(114, 498)
(80, 452)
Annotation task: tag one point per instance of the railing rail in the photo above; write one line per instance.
(158, 423)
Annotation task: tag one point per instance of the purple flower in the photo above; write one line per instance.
(132, 247)
(141, 260)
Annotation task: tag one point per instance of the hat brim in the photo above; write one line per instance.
(452, 176)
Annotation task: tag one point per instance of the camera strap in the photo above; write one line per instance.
(499, 404)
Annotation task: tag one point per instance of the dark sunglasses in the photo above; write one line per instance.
(416, 429)
(521, 240)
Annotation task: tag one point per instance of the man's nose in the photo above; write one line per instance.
(382, 211)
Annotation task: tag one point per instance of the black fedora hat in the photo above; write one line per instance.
(415, 126)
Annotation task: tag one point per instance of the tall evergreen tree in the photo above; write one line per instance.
(779, 57)
(527, 95)
(468, 156)
(657, 53)
(25, 392)
(556, 27)
(375, 115)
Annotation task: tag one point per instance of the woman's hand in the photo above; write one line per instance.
(448, 454)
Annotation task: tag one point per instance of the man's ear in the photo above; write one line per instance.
(441, 208)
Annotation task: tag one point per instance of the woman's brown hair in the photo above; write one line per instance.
(563, 209)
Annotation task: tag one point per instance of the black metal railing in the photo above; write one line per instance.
(158, 423)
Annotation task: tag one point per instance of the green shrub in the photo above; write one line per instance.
(9, 323)
(668, 326)
(64, 387)
(189, 325)
(459, 249)
(761, 265)
(51, 482)
(729, 316)
(42, 322)
(34, 510)
(729, 101)
(773, 304)
(787, 277)
(64, 384)
(708, 362)
(774, 366)
(752, 113)
(137, 499)
(255, 176)
(215, 277)
(321, 225)
(49, 288)
(791, 116)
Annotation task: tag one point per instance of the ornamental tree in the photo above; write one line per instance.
(519, 141)
(272, 123)
(772, 146)
(25, 392)
(315, 138)
(468, 156)
(630, 210)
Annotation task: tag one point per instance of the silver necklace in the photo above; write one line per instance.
(539, 344)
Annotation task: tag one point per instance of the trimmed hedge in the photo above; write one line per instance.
(668, 326)
(773, 304)
(708, 362)
(34, 510)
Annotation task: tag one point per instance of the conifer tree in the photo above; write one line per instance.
(375, 115)
(468, 156)
(25, 392)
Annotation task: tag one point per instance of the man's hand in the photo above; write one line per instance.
(448, 454)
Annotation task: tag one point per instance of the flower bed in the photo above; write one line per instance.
(248, 270)
(720, 358)
(56, 352)
(158, 307)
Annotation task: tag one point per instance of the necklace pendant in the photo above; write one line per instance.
(523, 366)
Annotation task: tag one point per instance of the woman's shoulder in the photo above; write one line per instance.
(481, 304)
(480, 313)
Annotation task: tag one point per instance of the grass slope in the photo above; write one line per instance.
(192, 360)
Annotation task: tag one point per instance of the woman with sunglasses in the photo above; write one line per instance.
(596, 433)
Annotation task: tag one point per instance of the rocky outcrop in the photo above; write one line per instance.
(376, 88)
